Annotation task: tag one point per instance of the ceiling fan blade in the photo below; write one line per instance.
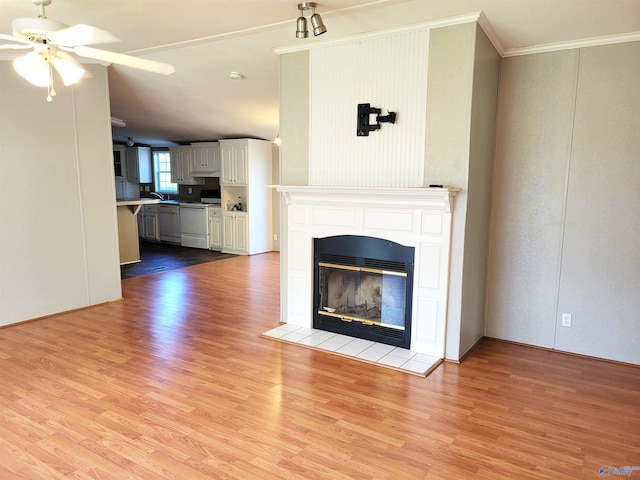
(81, 35)
(11, 38)
(126, 60)
(13, 46)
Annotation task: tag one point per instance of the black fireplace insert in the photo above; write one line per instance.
(363, 288)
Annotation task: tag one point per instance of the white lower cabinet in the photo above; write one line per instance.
(235, 238)
(215, 229)
(148, 227)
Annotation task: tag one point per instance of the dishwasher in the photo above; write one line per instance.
(169, 223)
(194, 225)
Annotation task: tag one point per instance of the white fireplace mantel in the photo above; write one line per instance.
(431, 198)
(415, 217)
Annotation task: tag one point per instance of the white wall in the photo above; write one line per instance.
(564, 222)
(481, 155)
(388, 71)
(600, 271)
(58, 234)
(447, 148)
(462, 96)
(443, 135)
(294, 118)
(294, 147)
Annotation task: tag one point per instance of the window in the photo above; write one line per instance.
(162, 172)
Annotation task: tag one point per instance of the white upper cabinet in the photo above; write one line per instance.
(138, 164)
(181, 166)
(235, 162)
(205, 159)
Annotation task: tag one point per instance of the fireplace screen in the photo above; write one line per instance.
(363, 288)
(366, 295)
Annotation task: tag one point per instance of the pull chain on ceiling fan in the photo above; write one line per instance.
(52, 42)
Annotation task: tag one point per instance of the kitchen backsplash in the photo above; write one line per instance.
(183, 195)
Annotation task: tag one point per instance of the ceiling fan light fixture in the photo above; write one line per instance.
(34, 68)
(68, 68)
(51, 40)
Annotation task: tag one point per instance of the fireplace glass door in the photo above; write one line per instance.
(367, 295)
(363, 288)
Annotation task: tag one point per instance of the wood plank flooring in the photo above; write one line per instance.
(160, 257)
(175, 382)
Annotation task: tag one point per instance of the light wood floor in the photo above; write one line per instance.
(175, 382)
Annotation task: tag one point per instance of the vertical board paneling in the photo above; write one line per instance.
(390, 73)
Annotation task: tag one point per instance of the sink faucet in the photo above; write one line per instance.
(159, 195)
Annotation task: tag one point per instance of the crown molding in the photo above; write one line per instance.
(587, 42)
(444, 22)
(491, 34)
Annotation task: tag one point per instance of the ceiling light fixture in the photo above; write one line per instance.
(36, 67)
(316, 21)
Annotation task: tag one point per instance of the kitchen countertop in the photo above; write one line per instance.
(135, 204)
(123, 202)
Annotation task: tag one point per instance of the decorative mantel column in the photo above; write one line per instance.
(415, 217)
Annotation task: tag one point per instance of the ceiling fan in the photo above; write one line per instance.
(52, 44)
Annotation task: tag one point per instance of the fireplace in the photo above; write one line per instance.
(363, 288)
(418, 219)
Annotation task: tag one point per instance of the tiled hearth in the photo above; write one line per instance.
(357, 348)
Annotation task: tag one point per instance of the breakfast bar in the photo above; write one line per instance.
(128, 227)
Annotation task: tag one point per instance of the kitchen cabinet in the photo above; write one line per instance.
(181, 171)
(118, 161)
(125, 189)
(245, 178)
(121, 187)
(215, 229)
(205, 159)
(235, 162)
(138, 164)
(148, 227)
(235, 233)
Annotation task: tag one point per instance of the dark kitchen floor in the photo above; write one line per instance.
(160, 257)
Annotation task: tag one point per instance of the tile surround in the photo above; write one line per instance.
(356, 348)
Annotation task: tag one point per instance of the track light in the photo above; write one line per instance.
(316, 21)
(318, 26)
(301, 27)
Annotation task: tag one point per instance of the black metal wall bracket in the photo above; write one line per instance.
(365, 110)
